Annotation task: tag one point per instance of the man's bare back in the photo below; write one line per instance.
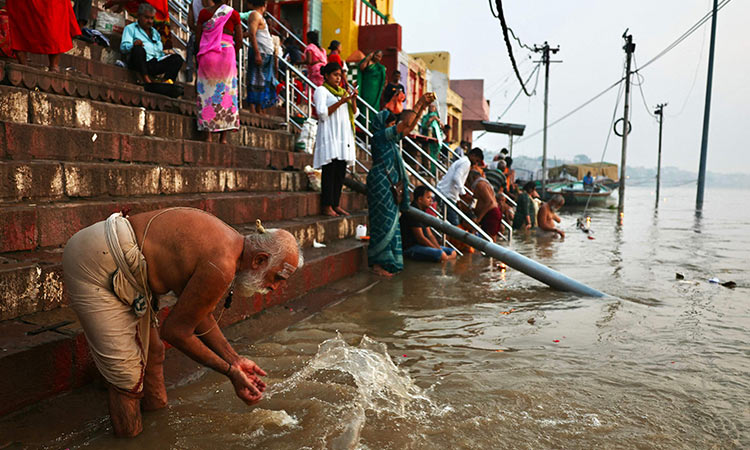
(180, 241)
(547, 218)
(485, 196)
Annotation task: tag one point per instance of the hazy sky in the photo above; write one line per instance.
(589, 35)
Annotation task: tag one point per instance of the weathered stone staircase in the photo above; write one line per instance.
(80, 145)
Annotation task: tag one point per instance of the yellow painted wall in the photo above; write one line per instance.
(386, 7)
(438, 61)
(338, 23)
(455, 109)
(337, 16)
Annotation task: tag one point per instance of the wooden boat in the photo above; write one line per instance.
(576, 195)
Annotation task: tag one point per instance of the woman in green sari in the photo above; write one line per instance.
(371, 79)
(387, 177)
(431, 127)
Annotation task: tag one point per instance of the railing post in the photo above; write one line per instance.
(309, 101)
(367, 126)
(288, 85)
(240, 74)
(445, 218)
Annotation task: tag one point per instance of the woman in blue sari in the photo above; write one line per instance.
(388, 176)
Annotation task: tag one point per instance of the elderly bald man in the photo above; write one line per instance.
(114, 271)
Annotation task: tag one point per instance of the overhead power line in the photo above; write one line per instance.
(536, 82)
(641, 80)
(659, 55)
(585, 104)
(685, 35)
(533, 91)
(499, 14)
(521, 44)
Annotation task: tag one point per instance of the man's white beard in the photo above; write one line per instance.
(249, 283)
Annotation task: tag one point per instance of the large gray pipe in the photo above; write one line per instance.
(519, 262)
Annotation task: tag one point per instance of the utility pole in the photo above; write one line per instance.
(629, 49)
(659, 112)
(706, 115)
(545, 50)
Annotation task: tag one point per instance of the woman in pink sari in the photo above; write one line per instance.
(315, 58)
(220, 37)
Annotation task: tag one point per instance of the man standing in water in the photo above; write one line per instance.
(548, 216)
(487, 214)
(115, 269)
(525, 217)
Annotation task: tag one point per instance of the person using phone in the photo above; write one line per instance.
(334, 144)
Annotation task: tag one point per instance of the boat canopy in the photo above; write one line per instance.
(579, 171)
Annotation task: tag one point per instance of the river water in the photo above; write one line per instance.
(465, 355)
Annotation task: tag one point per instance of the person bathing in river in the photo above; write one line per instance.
(417, 238)
(486, 213)
(388, 188)
(114, 271)
(547, 216)
(525, 217)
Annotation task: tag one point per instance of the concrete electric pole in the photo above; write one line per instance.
(706, 115)
(629, 49)
(545, 50)
(659, 112)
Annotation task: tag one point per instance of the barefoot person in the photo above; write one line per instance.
(261, 82)
(43, 27)
(334, 144)
(417, 238)
(220, 37)
(114, 271)
(388, 188)
(487, 213)
(547, 216)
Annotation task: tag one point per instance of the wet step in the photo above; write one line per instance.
(44, 354)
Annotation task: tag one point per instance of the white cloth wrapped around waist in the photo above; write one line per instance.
(130, 280)
(105, 274)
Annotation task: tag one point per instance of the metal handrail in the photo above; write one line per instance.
(361, 101)
(368, 107)
(444, 199)
(289, 68)
(411, 189)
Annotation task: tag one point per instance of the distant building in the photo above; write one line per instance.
(450, 103)
(343, 19)
(476, 108)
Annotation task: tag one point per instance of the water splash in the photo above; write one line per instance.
(381, 387)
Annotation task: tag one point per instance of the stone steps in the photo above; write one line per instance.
(27, 142)
(39, 364)
(31, 226)
(77, 85)
(21, 105)
(55, 181)
(94, 61)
